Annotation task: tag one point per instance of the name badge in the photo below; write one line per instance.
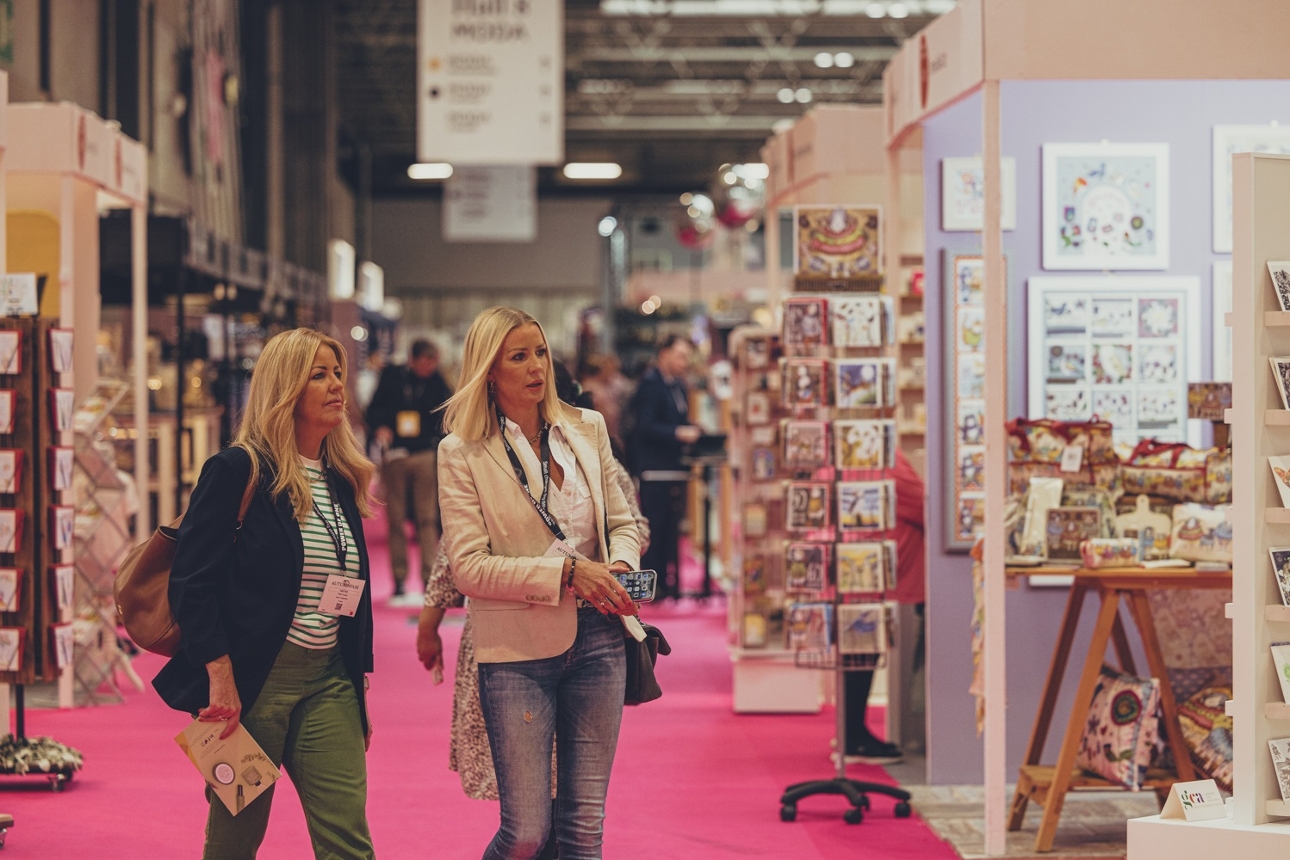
(341, 595)
(560, 548)
(407, 423)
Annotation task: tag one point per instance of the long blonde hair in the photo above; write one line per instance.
(267, 430)
(470, 413)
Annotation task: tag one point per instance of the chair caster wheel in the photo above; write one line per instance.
(853, 816)
(788, 812)
(865, 803)
(902, 809)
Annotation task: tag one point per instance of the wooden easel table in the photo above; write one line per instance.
(1047, 784)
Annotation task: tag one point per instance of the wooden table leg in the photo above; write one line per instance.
(1141, 609)
(1106, 616)
(1121, 642)
(1048, 701)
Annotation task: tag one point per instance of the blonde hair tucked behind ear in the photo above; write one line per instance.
(267, 430)
(470, 413)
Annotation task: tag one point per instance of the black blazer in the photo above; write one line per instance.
(659, 409)
(399, 389)
(234, 591)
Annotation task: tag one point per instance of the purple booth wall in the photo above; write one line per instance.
(1180, 113)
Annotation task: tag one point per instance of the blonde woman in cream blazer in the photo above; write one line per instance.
(548, 627)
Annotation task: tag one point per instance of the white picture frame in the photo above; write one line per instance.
(1121, 191)
(963, 194)
(1221, 306)
(1229, 140)
(1062, 313)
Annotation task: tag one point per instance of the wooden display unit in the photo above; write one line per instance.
(1261, 186)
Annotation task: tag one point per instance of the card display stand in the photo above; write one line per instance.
(37, 548)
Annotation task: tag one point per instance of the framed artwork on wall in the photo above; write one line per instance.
(963, 194)
(1229, 140)
(837, 242)
(1222, 304)
(963, 274)
(1106, 206)
(1120, 348)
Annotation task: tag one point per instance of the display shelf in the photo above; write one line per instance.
(1275, 612)
(1229, 707)
(1276, 711)
(1260, 330)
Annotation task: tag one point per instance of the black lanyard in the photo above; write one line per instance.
(337, 532)
(523, 478)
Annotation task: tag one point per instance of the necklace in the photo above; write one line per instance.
(533, 440)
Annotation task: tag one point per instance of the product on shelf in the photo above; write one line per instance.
(1281, 659)
(1070, 527)
(806, 443)
(806, 566)
(805, 322)
(1280, 271)
(862, 628)
(866, 568)
(1201, 533)
(867, 505)
(865, 444)
(809, 626)
(805, 382)
(864, 383)
(1280, 556)
(1280, 748)
(862, 321)
(807, 505)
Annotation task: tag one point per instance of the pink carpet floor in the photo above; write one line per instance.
(692, 779)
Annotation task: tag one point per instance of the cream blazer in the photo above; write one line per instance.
(496, 540)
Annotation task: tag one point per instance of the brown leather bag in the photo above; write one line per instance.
(142, 586)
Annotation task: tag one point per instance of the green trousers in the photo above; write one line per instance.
(306, 719)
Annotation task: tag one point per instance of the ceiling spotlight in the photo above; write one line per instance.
(876, 10)
(648, 307)
(803, 96)
(752, 225)
(824, 60)
(756, 170)
(592, 170)
(898, 10)
(843, 60)
(785, 95)
(607, 226)
(658, 303)
(780, 126)
(687, 198)
(729, 177)
(358, 333)
(431, 170)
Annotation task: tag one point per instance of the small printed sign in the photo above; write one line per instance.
(1072, 458)
(1194, 801)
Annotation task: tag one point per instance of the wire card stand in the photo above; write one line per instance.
(839, 444)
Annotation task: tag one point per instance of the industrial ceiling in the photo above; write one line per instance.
(669, 89)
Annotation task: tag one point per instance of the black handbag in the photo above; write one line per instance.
(642, 686)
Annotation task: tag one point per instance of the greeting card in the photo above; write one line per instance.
(864, 383)
(862, 321)
(806, 566)
(12, 645)
(1280, 764)
(867, 505)
(64, 576)
(60, 349)
(61, 408)
(862, 628)
(1281, 476)
(866, 568)
(1068, 528)
(804, 382)
(865, 444)
(806, 444)
(61, 462)
(805, 322)
(809, 626)
(10, 589)
(10, 529)
(10, 470)
(62, 523)
(64, 645)
(807, 505)
(1281, 659)
(10, 352)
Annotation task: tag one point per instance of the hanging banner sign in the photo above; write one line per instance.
(490, 81)
(490, 204)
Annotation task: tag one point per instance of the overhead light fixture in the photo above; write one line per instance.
(876, 10)
(687, 198)
(803, 96)
(785, 95)
(843, 60)
(358, 333)
(780, 126)
(824, 60)
(756, 170)
(429, 170)
(607, 226)
(898, 10)
(592, 170)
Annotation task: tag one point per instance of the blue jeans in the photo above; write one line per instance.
(577, 699)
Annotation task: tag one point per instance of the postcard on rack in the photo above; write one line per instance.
(806, 444)
(862, 628)
(806, 322)
(1281, 373)
(1199, 800)
(1281, 659)
(10, 470)
(806, 567)
(1281, 570)
(235, 767)
(810, 626)
(804, 382)
(863, 567)
(1280, 748)
(865, 444)
(10, 589)
(757, 410)
(1280, 271)
(862, 321)
(1281, 474)
(808, 504)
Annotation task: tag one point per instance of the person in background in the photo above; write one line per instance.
(403, 419)
(535, 522)
(468, 752)
(609, 390)
(662, 429)
(257, 645)
(911, 564)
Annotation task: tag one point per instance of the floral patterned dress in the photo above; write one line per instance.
(468, 751)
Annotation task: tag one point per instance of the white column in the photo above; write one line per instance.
(139, 340)
(996, 473)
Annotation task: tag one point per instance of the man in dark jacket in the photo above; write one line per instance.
(403, 420)
(662, 429)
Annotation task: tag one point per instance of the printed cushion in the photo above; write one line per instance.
(1207, 731)
(1121, 728)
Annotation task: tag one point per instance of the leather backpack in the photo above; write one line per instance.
(142, 587)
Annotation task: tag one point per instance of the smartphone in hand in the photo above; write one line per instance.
(639, 584)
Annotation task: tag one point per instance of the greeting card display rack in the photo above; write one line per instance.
(837, 440)
(36, 526)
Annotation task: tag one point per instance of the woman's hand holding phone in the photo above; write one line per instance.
(595, 583)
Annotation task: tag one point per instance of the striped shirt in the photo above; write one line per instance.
(311, 628)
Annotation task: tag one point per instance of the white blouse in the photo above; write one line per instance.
(571, 503)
